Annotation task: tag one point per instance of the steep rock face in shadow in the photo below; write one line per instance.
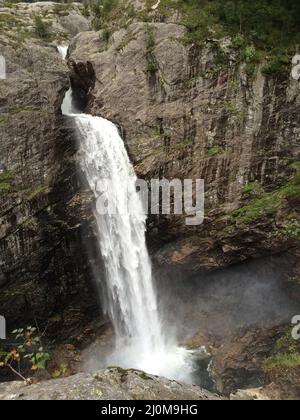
(45, 213)
(194, 112)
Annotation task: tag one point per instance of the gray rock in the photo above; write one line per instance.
(44, 271)
(110, 384)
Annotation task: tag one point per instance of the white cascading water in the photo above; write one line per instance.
(132, 301)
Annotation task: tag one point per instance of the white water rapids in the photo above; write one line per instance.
(132, 302)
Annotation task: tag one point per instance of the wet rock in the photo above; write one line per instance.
(110, 384)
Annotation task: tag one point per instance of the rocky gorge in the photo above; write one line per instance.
(185, 110)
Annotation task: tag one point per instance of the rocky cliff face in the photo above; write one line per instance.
(185, 111)
(196, 112)
(188, 111)
(44, 270)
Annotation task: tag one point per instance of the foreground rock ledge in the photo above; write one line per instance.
(109, 384)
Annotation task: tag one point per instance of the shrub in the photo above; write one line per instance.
(40, 28)
(85, 10)
(152, 67)
(28, 352)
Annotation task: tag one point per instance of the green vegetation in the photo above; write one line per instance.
(289, 230)
(27, 353)
(230, 108)
(145, 377)
(125, 41)
(34, 193)
(252, 188)
(260, 28)
(102, 12)
(14, 110)
(268, 202)
(284, 360)
(10, 3)
(150, 38)
(62, 9)
(16, 28)
(6, 179)
(109, 14)
(8, 19)
(3, 119)
(287, 355)
(86, 9)
(41, 28)
(7, 187)
(62, 370)
(213, 151)
(187, 143)
(152, 67)
(265, 24)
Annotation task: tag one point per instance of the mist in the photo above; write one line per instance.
(223, 302)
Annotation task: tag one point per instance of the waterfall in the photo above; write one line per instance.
(132, 301)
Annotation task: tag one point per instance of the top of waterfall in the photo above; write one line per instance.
(67, 105)
(63, 50)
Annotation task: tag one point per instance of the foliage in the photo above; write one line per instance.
(252, 188)
(287, 355)
(40, 28)
(152, 67)
(283, 360)
(216, 150)
(63, 370)
(86, 9)
(267, 28)
(286, 343)
(230, 108)
(62, 9)
(150, 38)
(290, 230)
(9, 3)
(6, 179)
(106, 34)
(268, 202)
(100, 10)
(259, 29)
(28, 351)
(262, 22)
(8, 19)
